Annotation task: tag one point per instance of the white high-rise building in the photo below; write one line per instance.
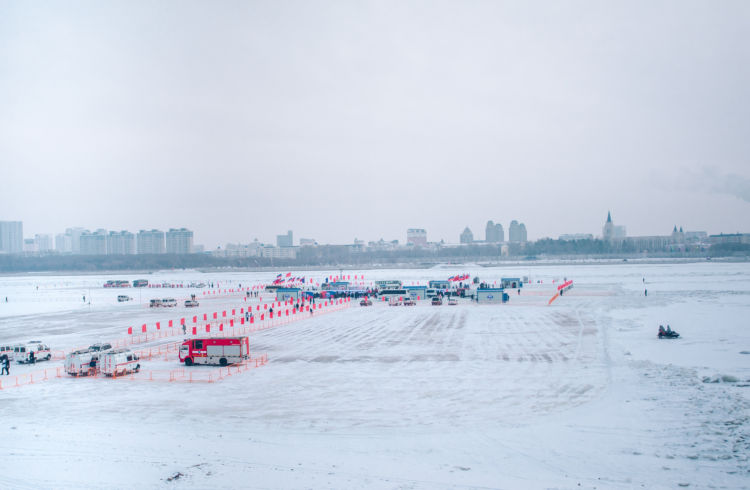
(11, 237)
(43, 243)
(179, 241)
(150, 242)
(94, 243)
(120, 243)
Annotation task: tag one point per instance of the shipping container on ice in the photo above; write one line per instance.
(118, 362)
(221, 351)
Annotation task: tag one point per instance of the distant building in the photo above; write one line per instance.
(269, 251)
(517, 232)
(610, 231)
(150, 242)
(729, 238)
(75, 238)
(467, 236)
(285, 240)
(43, 243)
(494, 233)
(236, 250)
(94, 243)
(307, 242)
(696, 237)
(416, 237)
(179, 241)
(63, 243)
(121, 243)
(11, 237)
(29, 246)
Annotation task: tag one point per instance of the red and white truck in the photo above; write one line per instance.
(118, 362)
(221, 351)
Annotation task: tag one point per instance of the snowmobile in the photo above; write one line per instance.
(668, 333)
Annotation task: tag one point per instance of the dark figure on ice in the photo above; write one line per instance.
(32, 359)
(184, 329)
(247, 316)
(668, 333)
(5, 363)
(645, 292)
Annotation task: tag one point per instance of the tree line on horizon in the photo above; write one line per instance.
(338, 255)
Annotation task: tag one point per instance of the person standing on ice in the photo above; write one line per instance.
(5, 362)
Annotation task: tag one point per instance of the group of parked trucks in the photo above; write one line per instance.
(101, 358)
(27, 352)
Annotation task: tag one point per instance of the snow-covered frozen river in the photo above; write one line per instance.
(521, 395)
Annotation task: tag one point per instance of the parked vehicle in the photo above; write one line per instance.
(164, 302)
(118, 362)
(117, 284)
(395, 302)
(140, 283)
(221, 351)
(437, 301)
(100, 346)
(191, 303)
(365, 302)
(84, 362)
(32, 351)
(452, 301)
(122, 298)
(431, 292)
(409, 302)
(8, 350)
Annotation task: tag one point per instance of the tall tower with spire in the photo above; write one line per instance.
(608, 231)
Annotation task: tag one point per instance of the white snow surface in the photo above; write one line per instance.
(576, 394)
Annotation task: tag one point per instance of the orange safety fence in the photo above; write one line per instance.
(197, 374)
(39, 376)
(284, 314)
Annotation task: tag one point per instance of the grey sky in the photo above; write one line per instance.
(361, 119)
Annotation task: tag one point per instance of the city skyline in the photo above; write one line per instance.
(308, 118)
(112, 242)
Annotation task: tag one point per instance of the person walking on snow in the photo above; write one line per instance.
(6, 363)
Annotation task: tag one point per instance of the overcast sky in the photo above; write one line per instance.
(362, 119)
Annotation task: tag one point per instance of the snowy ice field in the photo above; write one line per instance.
(577, 394)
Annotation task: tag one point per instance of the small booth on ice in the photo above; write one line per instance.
(491, 295)
(511, 282)
(335, 286)
(441, 286)
(283, 294)
(417, 292)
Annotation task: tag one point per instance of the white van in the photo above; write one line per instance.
(8, 350)
(81, 362)
(169, 302)
(118, 362)
(85, 361)
(31, 352)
